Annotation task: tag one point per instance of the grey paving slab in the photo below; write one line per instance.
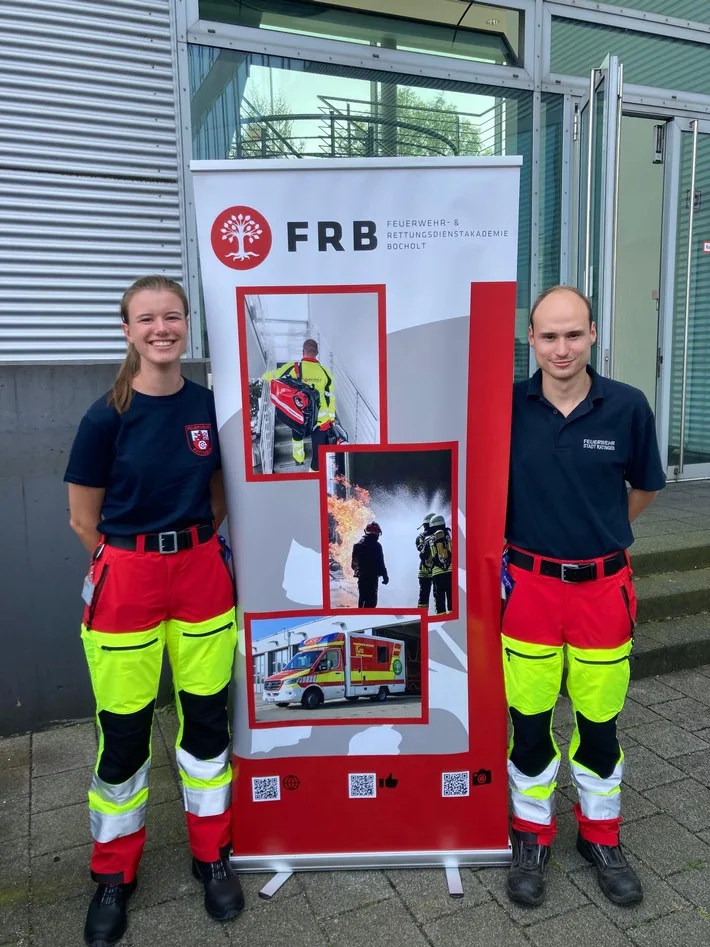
(333, 892)
(696, 765)
(64, 748)
(14, 751)
(290, 923)
(668, 740)
(635, 713)
(664, 845)
(659, 898)
(652, 690)
(579, 928)
(644, 769)
(61, 789)
(59, 829)
(253, 882)
(14, 863)
(694, 885)
(692, 684)
(427, 897)
(175, 922)
(62, 927)
(686, 713)
(561, 895)
(15, 920)
(62, 875)
(476, 927)
(635, 805)
(687, 802)
(164, 874)
(14, 785)
(15, 819)
(387, 922)
(681, 930)
(165, 825)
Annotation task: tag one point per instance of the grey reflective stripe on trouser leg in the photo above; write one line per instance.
(532, 797)
(207, 800)
(598, 798)
(120, 793)
(106, 828)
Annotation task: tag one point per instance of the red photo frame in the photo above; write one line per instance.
(242, 292)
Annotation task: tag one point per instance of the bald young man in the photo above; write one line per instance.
(578, 439)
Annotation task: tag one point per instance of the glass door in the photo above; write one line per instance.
(598, 141)
(686, 311)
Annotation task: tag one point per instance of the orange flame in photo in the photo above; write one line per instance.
(350, 517)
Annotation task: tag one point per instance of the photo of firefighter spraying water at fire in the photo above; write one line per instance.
(312, 380)
(390, 541)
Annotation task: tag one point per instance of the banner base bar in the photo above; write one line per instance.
(349, 861)
(453, 882)
(272, 886)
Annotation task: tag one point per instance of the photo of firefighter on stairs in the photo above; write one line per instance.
(312, 365)
(391, 539)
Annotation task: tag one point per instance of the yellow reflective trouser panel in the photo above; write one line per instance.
(201, 656)
(299, 451)
(125, 672)
(533, 674)
(597, 682)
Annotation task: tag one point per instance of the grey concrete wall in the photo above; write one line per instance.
(43, 676)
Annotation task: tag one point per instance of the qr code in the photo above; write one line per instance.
(455, 784)
(265, 788)
(362, 785)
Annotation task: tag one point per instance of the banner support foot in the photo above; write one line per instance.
(272, 886)
(453, 882)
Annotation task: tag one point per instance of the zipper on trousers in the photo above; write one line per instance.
(95, 598)
(615, 661)
(127, 647)
(529, 657)
(206, 634)
(627, 603)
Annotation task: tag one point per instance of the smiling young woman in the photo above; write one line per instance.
(145, 496)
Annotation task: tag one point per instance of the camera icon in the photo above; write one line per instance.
(481, 777)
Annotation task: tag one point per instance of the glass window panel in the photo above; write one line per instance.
(246, 105)
(448, 28)
(697, 398)
(696, 10)
(549, 241)
(660, 61)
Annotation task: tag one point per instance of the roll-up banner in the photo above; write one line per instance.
(361, 331)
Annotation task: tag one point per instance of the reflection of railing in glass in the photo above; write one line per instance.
(361, 128)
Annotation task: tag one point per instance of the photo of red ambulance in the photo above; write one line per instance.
(341, 664)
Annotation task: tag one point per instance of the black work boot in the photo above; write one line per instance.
(106, 917)
(526, 875)
(223, 893)
(616, 877)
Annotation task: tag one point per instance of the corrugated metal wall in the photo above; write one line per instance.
(88, 170)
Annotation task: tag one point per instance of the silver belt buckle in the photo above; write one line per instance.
(572, 567)
(163, 537)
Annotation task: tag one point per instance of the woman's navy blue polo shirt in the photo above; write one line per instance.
(155, 460)
(567, 495)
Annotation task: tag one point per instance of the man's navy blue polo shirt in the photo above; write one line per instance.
(567, 496)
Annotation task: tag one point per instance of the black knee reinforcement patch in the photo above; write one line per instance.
(533, 750)
(205, 731)
(598, 748)
(126, 744)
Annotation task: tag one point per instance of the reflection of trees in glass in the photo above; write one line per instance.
(407, 124)
(437, 115)
(266, 139)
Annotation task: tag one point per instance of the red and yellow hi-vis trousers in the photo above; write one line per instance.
(142, 602)
(594, 622)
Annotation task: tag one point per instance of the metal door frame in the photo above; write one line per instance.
(671, 189)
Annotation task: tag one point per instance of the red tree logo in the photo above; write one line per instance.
(241, 238)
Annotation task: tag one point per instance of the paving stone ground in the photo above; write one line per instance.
(44, 849)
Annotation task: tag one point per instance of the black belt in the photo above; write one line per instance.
(567, 571)
(167, 542)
